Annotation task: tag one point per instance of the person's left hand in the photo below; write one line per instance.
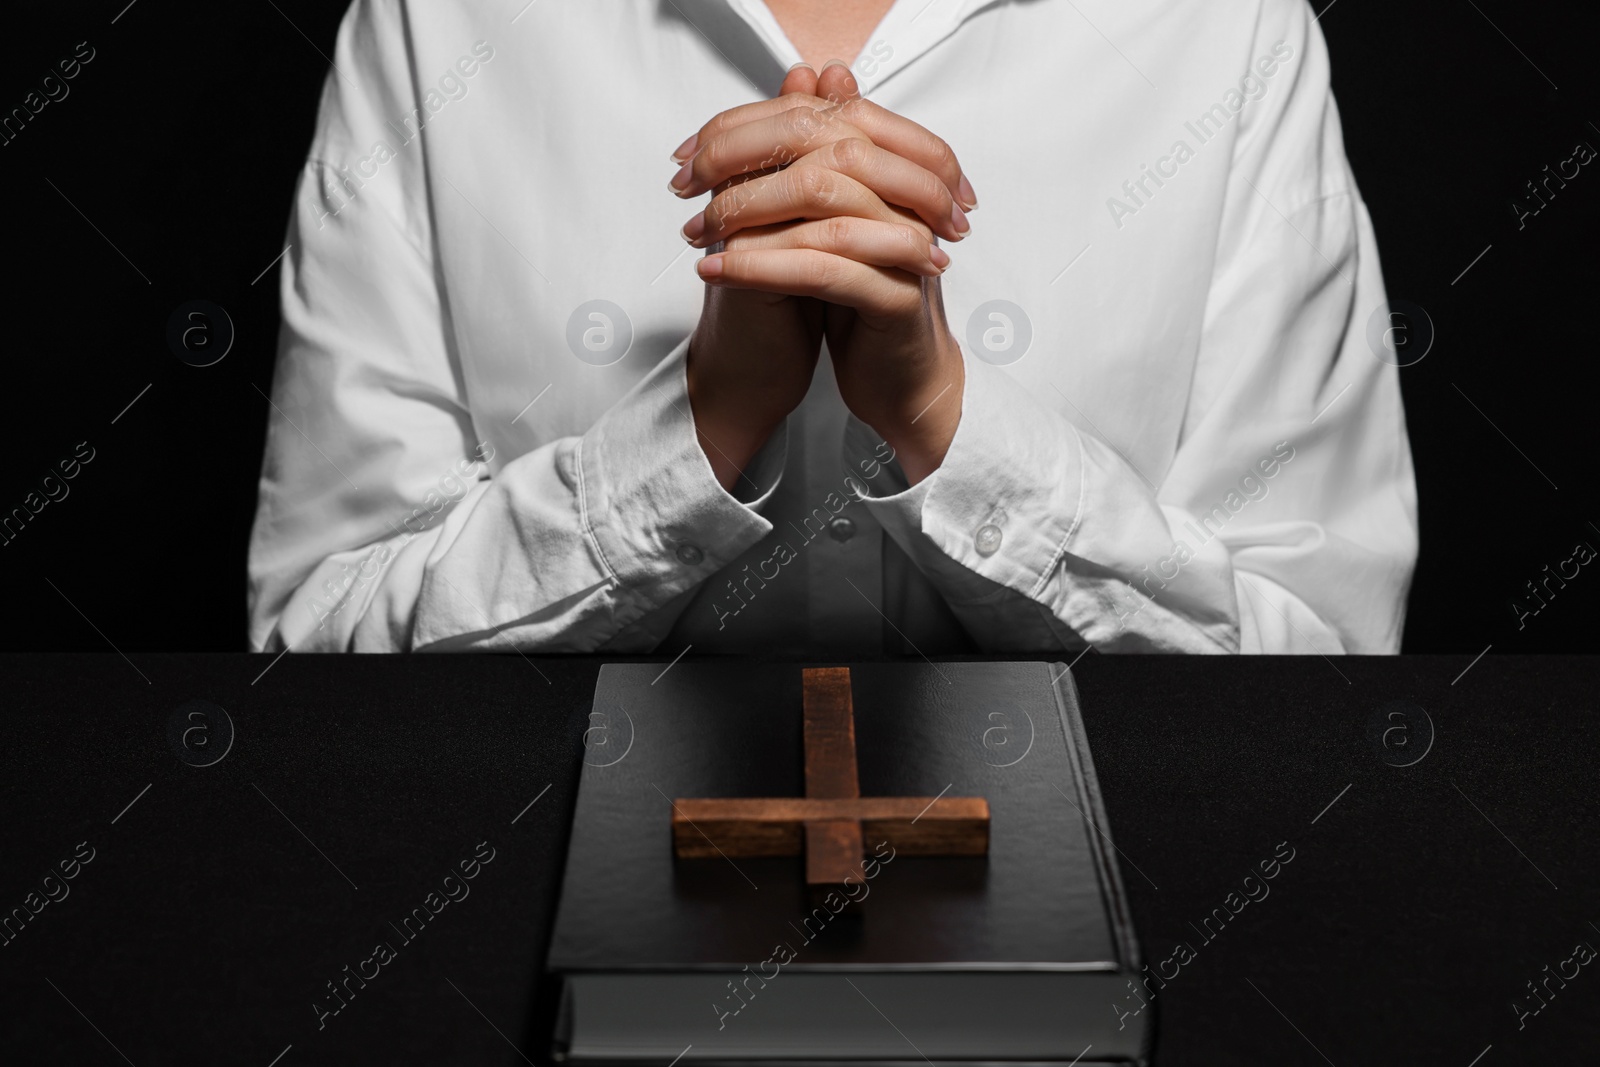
(876, 189)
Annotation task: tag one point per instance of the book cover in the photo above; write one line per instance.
(1017, 955)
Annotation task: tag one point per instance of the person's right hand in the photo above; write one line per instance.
(753, 354)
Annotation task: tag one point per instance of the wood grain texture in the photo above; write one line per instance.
(832, 822)
(833, 847)
(833, 851)
(915, 826)
(830, 733)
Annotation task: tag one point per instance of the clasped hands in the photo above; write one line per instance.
(826, 206)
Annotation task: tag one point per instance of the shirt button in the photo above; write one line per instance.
(841, 529)
(988, 539)
(689, 555)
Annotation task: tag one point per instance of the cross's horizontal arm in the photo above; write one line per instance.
(914, 826)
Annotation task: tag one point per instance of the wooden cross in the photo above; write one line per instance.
(833, 818)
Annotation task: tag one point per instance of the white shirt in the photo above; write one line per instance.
(1197, 449)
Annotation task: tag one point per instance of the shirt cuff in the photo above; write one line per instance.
(658, 518)
(1001, 507)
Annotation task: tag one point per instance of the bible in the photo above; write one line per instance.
(892, 862)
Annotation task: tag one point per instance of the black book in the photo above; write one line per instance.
(1023, 955)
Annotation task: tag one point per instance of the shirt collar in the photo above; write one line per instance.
(745, 33)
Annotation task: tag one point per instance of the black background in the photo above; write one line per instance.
(180, 143)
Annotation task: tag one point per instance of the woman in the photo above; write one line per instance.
(1132, 406)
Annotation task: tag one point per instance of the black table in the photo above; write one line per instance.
(222, 900)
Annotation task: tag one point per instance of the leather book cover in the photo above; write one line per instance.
(1000, 957)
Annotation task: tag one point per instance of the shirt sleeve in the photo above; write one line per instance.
(1286, 520)
(382, 522)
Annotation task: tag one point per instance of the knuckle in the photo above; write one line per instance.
(837, 231)
(813, 185)
(708, 162)
(851, 153)
(804, 123)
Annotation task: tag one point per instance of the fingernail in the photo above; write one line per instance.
(939, 256)
(709, 267)
(694, 228)
(958, 219)
(680, 180)
(686, 149)
(852, 85)
(802, 66)
(968, 196)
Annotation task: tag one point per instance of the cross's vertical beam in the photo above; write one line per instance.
(833, 846)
